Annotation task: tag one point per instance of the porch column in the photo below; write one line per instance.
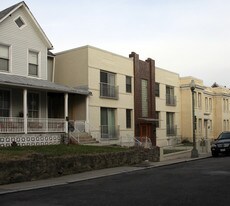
(25, 110)
(66, 112)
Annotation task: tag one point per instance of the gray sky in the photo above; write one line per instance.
(189, 37)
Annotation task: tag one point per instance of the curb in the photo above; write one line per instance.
(94, 174)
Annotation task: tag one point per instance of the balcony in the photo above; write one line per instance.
(110, 131)
(34, 125)
(170, 100)
(171, 130)
(108, 91)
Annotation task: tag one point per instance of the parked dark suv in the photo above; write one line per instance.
(221, 144)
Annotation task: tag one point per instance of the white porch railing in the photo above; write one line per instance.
(11, 125)
(16, 125)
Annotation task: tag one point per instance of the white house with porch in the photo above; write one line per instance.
(33, 109)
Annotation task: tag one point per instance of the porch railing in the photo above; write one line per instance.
(16, 125)
(11, 125)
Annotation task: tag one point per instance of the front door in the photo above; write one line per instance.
(144, 131)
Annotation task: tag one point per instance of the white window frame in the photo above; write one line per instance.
(38, 63)
(9, 57)
(24, 23)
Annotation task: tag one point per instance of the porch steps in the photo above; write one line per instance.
(82, 137)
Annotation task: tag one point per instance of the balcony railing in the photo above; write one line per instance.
(171, 130)
(170, 100)
(110, 131)
(16, 125)
(108, 91)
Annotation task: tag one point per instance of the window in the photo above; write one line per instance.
(108, 127)
(107, 85)
(128, 84)
(157, 116)
(19, 22)
(157, 89)
(33, 105)
(171, 128)
(4, 58)
(4, 103)
(210, 104)
(170, 98)
(144, 97)
(199, 100)
(128, 118)
(206, 104)
(33, 63)
(195, 100)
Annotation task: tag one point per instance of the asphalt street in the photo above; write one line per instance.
(195, 183)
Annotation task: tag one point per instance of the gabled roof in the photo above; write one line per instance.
(8, 11)
(26, 82)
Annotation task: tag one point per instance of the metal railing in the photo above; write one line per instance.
(170, 100)
(108, 91)
(171, 130)
(110, 131)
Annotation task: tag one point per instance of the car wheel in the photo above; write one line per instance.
(214, 154)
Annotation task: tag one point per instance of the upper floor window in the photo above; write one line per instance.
(20, 23)
(4, 58)
(170, 98)
(33, 63)
(128, 84)
(144, 98)
(157, 89)
(199, 100)
(108, 89)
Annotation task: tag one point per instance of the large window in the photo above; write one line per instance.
(171, 128)
(33, 63)
(128, 118)
(4, 58)
(33, 105)
(4, 103)
(144, 97)
(108, 128)
(128, 84)
(170, 98)
(107, 85)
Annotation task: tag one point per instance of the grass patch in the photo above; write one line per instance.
(7, 153)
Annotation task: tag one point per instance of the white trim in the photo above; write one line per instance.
(24, 23)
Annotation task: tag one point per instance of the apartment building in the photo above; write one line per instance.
(212, 114)
(108, 114)
(168, 107)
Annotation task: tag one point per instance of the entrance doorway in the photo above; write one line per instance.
(145, 131)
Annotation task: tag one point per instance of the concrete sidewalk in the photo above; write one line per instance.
(67, 179)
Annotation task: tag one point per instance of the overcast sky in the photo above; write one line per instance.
(189, 37)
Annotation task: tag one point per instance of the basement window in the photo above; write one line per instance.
(20, 23)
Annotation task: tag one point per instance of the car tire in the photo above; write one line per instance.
(214, 154)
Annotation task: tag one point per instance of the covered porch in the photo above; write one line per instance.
(33, 106)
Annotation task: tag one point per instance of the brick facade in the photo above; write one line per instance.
(144, 70)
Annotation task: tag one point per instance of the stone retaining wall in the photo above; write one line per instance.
(39, 166)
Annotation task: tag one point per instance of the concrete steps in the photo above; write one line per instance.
(82, 137)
